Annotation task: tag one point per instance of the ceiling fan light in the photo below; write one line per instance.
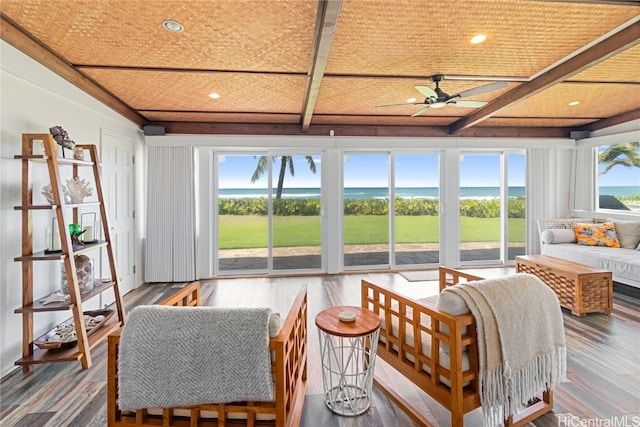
(438, 104)
(477, 39)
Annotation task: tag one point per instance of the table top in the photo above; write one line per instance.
(365, 323)
(560, 265)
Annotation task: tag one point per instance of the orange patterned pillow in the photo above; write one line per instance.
(596, 234)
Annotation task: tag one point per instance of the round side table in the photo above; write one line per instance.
(348, 357)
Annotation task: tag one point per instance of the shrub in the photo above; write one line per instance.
(489, 208)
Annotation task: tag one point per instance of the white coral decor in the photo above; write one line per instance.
(77, 189)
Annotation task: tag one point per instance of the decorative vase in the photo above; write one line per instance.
(84, 273)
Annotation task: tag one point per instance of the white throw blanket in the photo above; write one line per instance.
(521, 342)
(181, 356)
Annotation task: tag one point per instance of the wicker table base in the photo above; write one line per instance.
(580, 288)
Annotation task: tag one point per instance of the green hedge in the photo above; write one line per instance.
(489, 208)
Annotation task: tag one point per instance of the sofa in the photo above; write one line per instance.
(605, 243)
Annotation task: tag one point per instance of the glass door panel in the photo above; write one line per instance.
(297, 224)
(366, 210)
(480, 229)
(417, 209)
(243, 226)
(516, 204)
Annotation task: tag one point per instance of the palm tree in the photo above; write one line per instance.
(263, 164)
(625, 154)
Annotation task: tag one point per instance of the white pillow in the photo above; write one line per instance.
(558, 235)
(275, 323)
(452, 304)
(628, 232)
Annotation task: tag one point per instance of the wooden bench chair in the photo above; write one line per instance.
(408, 324)
(289, 369)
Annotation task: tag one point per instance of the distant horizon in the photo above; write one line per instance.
(467, 192)
(366, 186)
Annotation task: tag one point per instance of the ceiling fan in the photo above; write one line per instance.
(437, 98)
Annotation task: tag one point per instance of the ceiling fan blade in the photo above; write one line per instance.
(467, 103)
(481, 89)
(397, 105)
(426, 91)
(420, 111)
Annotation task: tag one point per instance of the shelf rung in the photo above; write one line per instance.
(34, 207)
(36, 307)
(41, 256)
(50, 207)
(70, 354)
(61, 160)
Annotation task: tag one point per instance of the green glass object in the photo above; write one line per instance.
(74, 229)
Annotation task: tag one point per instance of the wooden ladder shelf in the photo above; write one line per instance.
(65, 214)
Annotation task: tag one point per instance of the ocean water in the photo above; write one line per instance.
(404, 192)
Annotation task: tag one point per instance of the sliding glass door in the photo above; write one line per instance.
(243, 221)
(366, 210)
(492, 207)
(269, 208)
(297, 224)
(377, 233)
(417, 209)
(516, 204)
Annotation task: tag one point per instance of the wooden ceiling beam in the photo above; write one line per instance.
(208, 128)
(326, 21)
(612, 121)
(25, 43)
(608, 2)
(599, 52)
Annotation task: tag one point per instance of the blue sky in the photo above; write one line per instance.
(619, 175)
(476, 170)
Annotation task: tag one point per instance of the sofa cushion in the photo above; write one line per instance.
(628, 232)
(623, 263)
(452, 304)
(596, 234)
(558, 235)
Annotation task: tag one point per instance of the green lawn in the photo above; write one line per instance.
(250, 231)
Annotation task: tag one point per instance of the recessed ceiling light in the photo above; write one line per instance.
(173, 26)
(410, 100)
(214, 95)
(478, 39)
(572, 103)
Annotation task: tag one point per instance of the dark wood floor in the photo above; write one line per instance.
(603, 362)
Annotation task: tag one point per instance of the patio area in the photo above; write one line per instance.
(308, 257)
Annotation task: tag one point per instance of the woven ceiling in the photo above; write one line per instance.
(305, 67)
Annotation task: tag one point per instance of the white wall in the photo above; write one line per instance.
(33, 99)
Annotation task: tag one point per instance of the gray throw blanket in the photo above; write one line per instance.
(521, 342)
(181, 356)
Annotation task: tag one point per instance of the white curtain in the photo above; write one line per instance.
(170, 246)
(582, 194)
(546, 168)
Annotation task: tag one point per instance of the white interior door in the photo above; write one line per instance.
(119, 192)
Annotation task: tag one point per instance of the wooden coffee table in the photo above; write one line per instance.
(580, 288)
